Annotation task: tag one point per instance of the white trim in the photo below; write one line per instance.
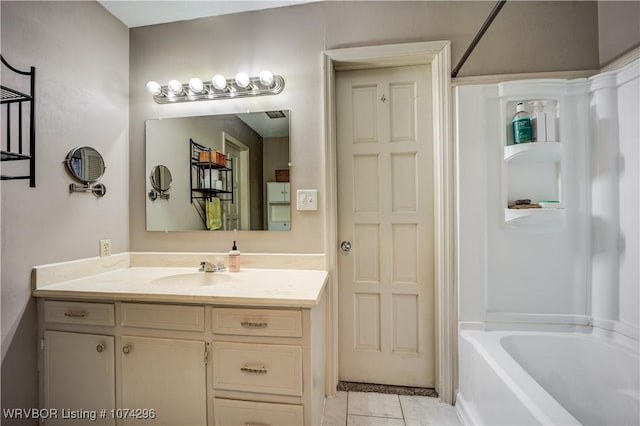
(622, 61)
(331, 225)
(558, 322)
(501, 78)
(245, 200)
(617, 77)
(626, 330)
(516, 317)
(464, 410)
(436, 53)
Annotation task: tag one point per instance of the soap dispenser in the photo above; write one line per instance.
(521, 125)
(234, 259)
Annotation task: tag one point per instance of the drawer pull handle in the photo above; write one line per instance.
(249, 370)
(126, 349)
(253, 324)
(257, 424)
(76, 314)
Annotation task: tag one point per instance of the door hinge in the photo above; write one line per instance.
(206, 357)
(42, 344)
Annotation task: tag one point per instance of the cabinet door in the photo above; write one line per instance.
(79, 378)
(166, 375)
(278, 192)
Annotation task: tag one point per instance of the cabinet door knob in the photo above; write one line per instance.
(100, 348)
(345, 246)
(126, 349)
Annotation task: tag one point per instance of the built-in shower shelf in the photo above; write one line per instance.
(533, 152)
(534, 217)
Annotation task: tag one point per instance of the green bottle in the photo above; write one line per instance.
(521, 125)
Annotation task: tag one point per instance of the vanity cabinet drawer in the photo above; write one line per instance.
(164, 317)
(229, 412)
(79, 313)
(273, 369)
(257, 322)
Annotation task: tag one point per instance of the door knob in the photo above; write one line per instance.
(345, 246)
(126, 349)
(100, 348)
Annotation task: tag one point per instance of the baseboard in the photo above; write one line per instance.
(618, 327)
(516, 317)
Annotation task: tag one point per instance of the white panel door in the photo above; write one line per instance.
(385, 210)
(232, 216)
(167, 375)
(79, 374)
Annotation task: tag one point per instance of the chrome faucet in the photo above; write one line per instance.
(210, 267)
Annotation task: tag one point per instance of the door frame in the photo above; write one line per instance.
(245, 201)
(438, 55)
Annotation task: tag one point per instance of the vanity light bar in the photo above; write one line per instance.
(241, 86)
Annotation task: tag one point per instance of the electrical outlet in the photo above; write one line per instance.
(105, 248)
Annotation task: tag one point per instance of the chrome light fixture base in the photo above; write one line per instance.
(231, 91)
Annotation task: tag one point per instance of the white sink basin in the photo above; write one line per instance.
(196, 279)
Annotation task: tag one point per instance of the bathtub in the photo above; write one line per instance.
(549, 378)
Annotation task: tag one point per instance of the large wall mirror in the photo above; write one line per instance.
(252, 159)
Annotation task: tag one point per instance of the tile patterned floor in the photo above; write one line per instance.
(371, 408)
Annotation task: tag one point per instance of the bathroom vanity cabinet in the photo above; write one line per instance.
(187, 364)
(108, 356)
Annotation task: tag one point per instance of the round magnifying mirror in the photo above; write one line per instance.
(161, 178)
(85, 164)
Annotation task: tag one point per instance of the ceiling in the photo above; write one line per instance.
(139, 13)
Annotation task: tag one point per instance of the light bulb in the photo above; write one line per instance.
(175, 87)
(196, 85)
(154, 88)
(266, 78)
(242, 80)
(219, 82)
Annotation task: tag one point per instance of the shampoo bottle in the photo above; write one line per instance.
(234, 259)
(539, 122)
(521, 125)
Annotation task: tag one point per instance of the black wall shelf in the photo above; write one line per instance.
(15, 102)
(202, 184)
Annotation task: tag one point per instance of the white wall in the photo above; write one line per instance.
(629, 184)
(510, 272)
(81, 57)
(616, 189)
(588, 268)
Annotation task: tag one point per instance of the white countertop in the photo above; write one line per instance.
(249, 287)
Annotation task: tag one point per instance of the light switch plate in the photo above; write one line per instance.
(307, 199)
